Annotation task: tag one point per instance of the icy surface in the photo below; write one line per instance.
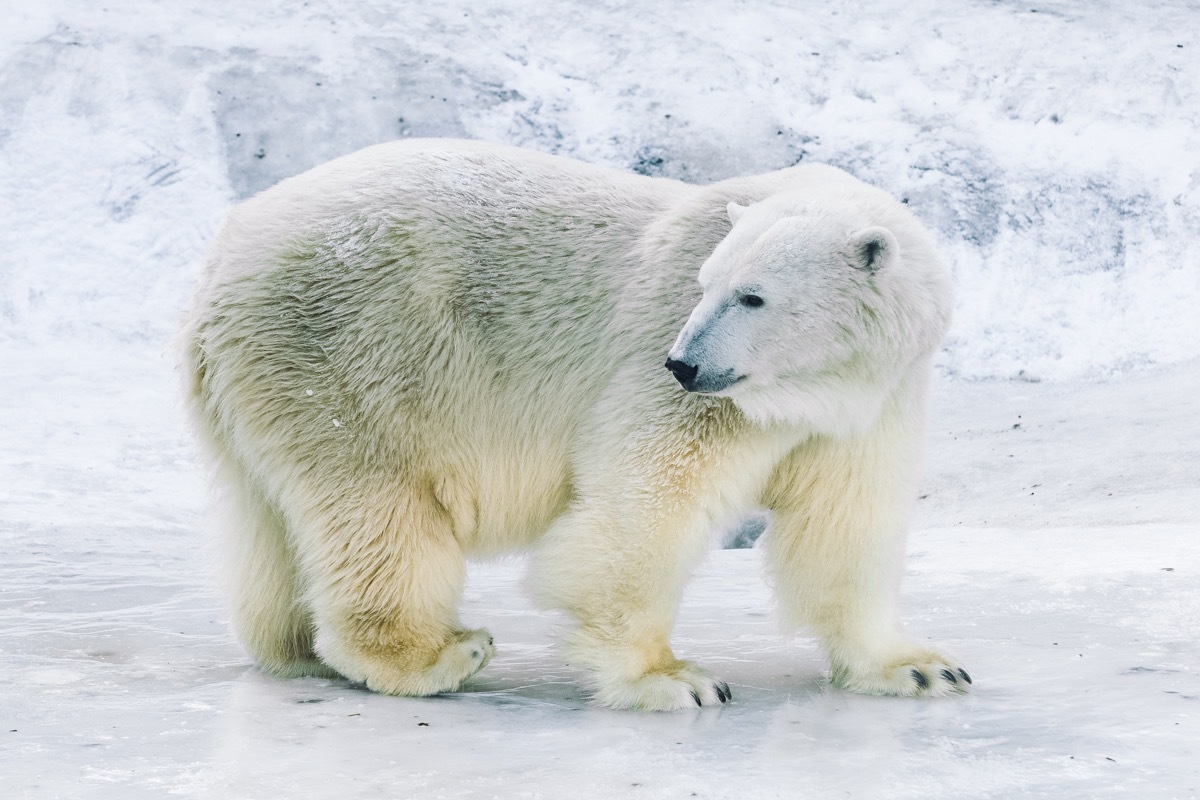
(1058, 559)
(1053, 149)
(1083, 637)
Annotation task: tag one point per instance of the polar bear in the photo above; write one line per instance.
(433, 350)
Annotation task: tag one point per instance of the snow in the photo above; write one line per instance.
(1051, 147)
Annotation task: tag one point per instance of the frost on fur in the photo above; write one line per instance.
(431, 350)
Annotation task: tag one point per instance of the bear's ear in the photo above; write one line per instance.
(735, 212)
(874, 248)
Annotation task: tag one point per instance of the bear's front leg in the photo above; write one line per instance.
(622, 582)
(836, 552)
(649, 485)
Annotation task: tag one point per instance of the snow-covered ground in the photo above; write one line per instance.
(1052, 147)
(1059, 559)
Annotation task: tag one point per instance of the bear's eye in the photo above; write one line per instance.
(750, 300)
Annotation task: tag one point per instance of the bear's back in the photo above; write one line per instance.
(470, 284)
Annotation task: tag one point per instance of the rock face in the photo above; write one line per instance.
(1053, 151)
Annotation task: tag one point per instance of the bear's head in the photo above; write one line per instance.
(812, 311)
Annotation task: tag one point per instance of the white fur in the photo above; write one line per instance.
(433, 349)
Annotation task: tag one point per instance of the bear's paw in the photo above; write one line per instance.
(463, 656)
(683, 686)
(921, 674)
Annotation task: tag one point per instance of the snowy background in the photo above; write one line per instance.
(1053, 148)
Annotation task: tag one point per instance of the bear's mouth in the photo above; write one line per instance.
(716, 385)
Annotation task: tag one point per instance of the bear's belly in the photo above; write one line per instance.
(517, 509)
(506, 501)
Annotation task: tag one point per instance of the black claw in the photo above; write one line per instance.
(964, 675)
(696, 697)
(920, 678)
(724, 692)
(948, 675)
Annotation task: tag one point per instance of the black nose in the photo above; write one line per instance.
(682, 371)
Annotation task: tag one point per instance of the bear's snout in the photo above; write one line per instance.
(691, 379)
(684, 372)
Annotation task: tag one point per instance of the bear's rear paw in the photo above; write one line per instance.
(465, 654)
(682, 686)
(921, 674)
(301, 668)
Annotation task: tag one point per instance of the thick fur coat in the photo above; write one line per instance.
(432, 350)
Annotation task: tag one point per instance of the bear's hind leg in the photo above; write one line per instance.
(261, 583)
(385, 576)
